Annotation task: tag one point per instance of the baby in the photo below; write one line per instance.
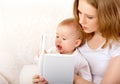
(69, 36)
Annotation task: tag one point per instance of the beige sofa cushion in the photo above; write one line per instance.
(27, 73)
(8, 68)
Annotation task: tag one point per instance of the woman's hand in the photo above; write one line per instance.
(39, 80)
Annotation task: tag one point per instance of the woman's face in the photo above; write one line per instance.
(88, 17)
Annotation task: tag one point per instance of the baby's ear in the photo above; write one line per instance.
(77, 42)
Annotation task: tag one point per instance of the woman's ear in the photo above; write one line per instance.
(77, 42)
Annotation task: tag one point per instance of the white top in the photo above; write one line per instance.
(81, 65)
(98, 59)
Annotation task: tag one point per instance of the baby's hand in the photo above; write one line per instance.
(38, 53)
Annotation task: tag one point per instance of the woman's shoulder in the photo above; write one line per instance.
(111, 50)
(115, 49)
(114, 45)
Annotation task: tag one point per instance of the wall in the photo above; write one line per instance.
(22, 21)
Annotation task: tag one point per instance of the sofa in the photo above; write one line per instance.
(21, 23)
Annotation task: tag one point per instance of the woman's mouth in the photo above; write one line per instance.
(84, 28)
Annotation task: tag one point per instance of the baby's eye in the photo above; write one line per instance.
(57, 36)
(64, 38)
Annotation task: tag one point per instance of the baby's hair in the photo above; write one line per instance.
(71, 22)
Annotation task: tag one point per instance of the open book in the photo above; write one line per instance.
(58, 68)
(55, 68)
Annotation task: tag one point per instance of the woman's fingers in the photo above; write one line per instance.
(39, 80)
(36, 79)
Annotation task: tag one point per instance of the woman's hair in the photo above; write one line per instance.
(108, 17)
(71, 22)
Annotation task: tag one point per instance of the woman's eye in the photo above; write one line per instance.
(79, 12)
(90, 17)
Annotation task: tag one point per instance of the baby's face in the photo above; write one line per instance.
(66, 39)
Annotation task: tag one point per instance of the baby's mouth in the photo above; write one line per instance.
(59, 47)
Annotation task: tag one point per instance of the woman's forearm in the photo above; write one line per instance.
(80, 80)
(112, 74)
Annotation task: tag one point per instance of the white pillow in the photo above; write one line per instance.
(8, 67)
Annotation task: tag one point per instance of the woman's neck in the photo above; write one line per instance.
(96, 41)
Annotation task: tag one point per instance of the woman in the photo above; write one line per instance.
(100, 20)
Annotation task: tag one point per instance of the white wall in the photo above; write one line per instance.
(22, 21)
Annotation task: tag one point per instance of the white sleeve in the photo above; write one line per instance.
(115, 50)
(82, 67)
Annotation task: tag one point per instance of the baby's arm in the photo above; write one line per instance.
(38, 55)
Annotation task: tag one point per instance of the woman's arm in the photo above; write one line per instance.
(112, 74)
(80, 80)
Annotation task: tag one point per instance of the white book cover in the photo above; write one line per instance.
(58, 68)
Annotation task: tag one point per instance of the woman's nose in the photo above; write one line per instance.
(82, 19)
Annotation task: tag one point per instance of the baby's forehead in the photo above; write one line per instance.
(69, 27)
